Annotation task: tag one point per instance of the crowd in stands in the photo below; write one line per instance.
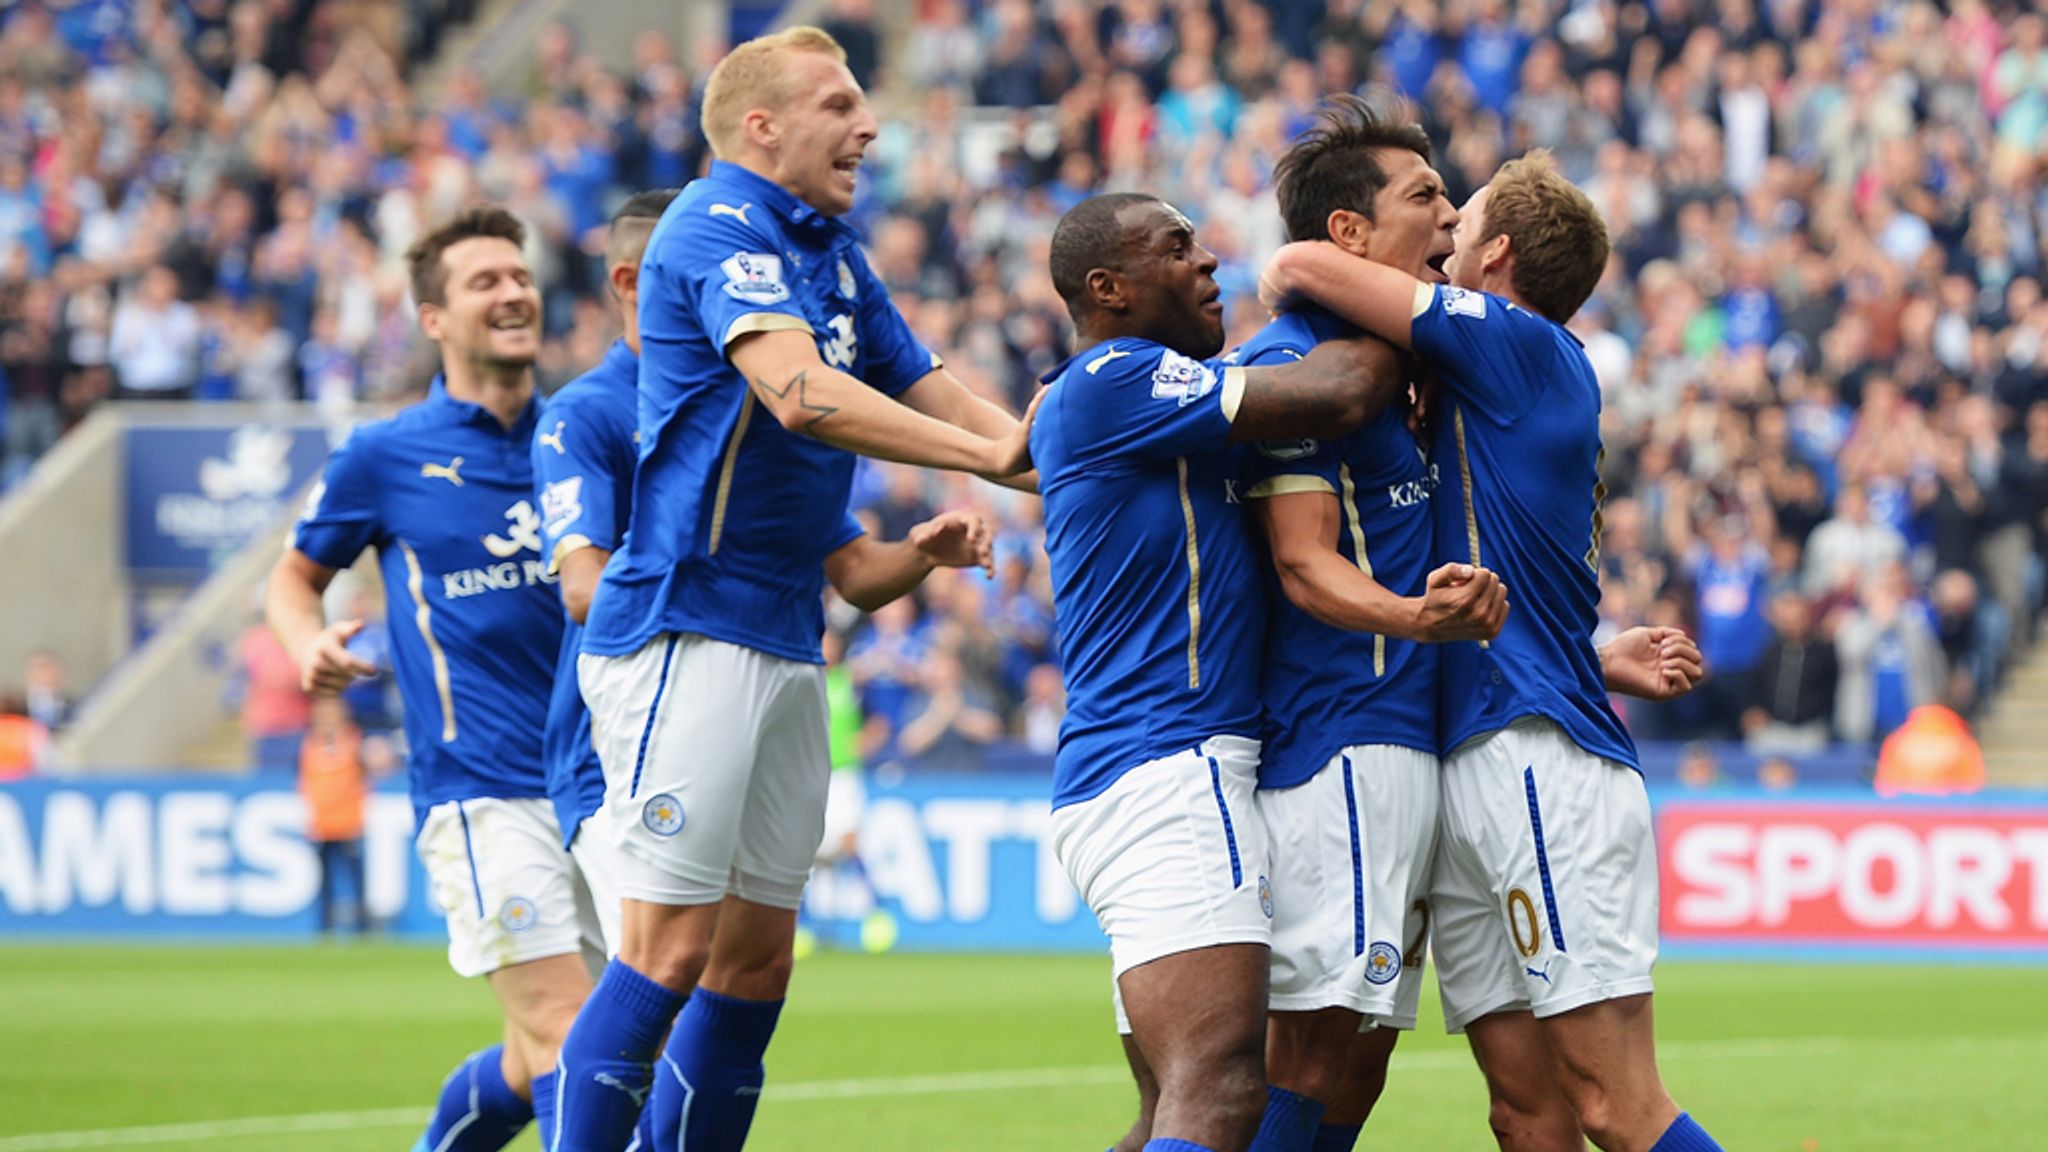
(1823, 341)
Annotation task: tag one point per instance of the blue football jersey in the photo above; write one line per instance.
(735, 515)
(583, 458)
(1157, 589)
(1517, 444)
(444, 493)
(1328, 688)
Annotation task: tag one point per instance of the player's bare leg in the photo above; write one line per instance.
(540, 999)
(1148, 1099)
(1364, 1079)
(1199, 1019)
(1529, 1111)
(1306, 1052)
(1606, 1060)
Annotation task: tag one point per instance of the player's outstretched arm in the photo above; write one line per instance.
(1384, 301)
(1337, 387)
(869, 573)
(1651, 663)
(1461, 602)
(812, 399)
(942, 396)
(292, 607)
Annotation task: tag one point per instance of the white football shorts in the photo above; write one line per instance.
(716, 769)
(1351, 865)
(510, 891)
(1545, 894)
(1172, 857)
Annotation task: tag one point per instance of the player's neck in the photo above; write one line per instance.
(503, 392)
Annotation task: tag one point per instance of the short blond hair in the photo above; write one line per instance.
(752, 76)
(1556, 234)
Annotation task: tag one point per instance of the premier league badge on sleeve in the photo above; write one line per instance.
(754, 277)
(1181, 380)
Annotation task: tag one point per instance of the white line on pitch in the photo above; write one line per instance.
(937, 1084)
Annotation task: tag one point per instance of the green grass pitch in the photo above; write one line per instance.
(339, 1049)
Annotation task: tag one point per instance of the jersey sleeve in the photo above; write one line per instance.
(1280, 467)
(850, 529)
(1488, 348)
(342, 516)
(896, 359)
(575, 470)
(1145, 401)
(727, 269)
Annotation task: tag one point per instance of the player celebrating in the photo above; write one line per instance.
(770, 354)
(444, 493)
(1160, 607)
(1348, 784)
(1546, 929)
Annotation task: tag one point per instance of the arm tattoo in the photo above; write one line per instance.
(801, 383)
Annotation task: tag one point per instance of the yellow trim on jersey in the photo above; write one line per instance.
(423, 616)
(1187, 512)
(1350, 501)
(732, 458)
(754, 322)
(1289, 486)
(1233, 392)
(563, 547)
(1465, 482)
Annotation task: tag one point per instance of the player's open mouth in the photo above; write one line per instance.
(1434, 268)
(846, 165)
(512, 324)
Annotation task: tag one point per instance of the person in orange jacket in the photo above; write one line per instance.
(335, 784)
(1932, 753)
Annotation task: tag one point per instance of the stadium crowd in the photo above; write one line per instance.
(1823, 341)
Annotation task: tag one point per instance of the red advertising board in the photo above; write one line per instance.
(1868, 874)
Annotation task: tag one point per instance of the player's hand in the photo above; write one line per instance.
(1012, 454)
(327, 665)
(1276, 284)
(1652, 663)
(957, 540)
(1462, 602)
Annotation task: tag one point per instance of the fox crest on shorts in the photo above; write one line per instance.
(1382, 962)
(518, 914)
(663, 815)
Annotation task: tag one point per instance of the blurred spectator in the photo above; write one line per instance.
(154, 344)
(1729, 571)
(956, 723)
(1792, 698)
(335, 784)
(1890, 663)
(1045, 705)
(275, 710)
(46, 697)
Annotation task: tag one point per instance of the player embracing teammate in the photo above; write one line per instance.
(1545, 931)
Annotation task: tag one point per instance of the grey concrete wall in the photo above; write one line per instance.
(63, 585)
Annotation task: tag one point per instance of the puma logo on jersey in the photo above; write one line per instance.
(446, 471)
(554, 439)
(739, 213)
(1097, 364)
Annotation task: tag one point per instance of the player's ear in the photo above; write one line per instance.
(1350, 231)
(625, 279)
(1494, 255)
(759, 126)
(1106, 290)
(430, 321)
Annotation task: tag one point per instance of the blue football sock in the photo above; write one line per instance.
(711, 1072)
(478, 1111)
(1289, 1124)
(607, 1060)
(1337, 1137)
(1176, 1146)
(1685, 1135)
(544, 1110)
